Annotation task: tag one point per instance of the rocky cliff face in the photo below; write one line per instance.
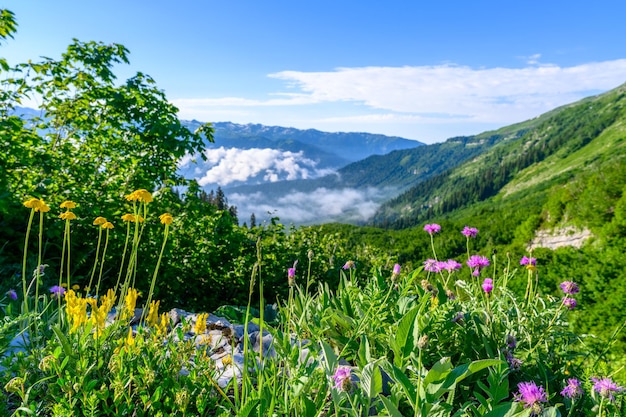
(565, 236)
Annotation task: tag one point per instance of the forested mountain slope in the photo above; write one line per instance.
(582, 137)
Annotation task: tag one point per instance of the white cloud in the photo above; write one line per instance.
(228, 165)
(313, 207)
(447, 93)
(427, 103)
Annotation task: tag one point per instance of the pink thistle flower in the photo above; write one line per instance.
(606, 387)
(469, 231)
(432, 228)
(573, 389)
(531, 396)
(569, 302)
(452, 265)
(431, 265)
(342, 378)
(487, 285)
(570, 287)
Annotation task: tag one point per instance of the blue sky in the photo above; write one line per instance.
(416, 69)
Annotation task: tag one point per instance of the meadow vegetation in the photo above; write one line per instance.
(436, 320)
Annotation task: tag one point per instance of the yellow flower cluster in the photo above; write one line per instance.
(153, 313)
(132, 218)
(166, 218)
(130, 301)
(161, 326)
(142, 195)
(200, 326)
(67, 214)
(130, 340)
(103, 223)
(100, 313)
(68, 205)
(76, 308)
(99, 221)
(37, 205)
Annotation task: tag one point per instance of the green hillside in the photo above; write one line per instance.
(564, 177)
(579, 138)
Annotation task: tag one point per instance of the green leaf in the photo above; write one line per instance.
(250, 406)
(390, 407)
(372, 380)
(403, 381)
(64, 342)
(364, 350)
(330, 359)
(507, 410)
(404, 341)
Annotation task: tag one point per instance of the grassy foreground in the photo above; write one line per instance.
(446, 339)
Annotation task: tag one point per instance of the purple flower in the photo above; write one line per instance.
(511, 341)
(569, 287)
(469, 231)
(488, 285)
(529, 262)
(573, 389)
(452, 265)
(57, 291)
(458, 317)
(291, 276)
(12, 294)
(432, 228)
(349, 265)
(569, 302)
(531, 396)
(432, 265)
(396, 269)
(342, 377)
(606, 387)
(477, 262)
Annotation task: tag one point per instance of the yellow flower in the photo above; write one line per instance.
(140, 195)
(107, 225)
(132, 218)
(99, 313)
(68, 204)
(205, 339)
(68, 215)
(144, 196)
(130, 340)
(200, 326)
(162, 325)
(43, 207)
(166, 218)
(99, 221)
(227, 360)
(76, 287)
(130, 302)
(33, 203)
(76, 309)
(128, 217)
(153, 313)
(64, 284)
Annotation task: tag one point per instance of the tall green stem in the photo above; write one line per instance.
(156, 270)
(24, 287)
(95, 263)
